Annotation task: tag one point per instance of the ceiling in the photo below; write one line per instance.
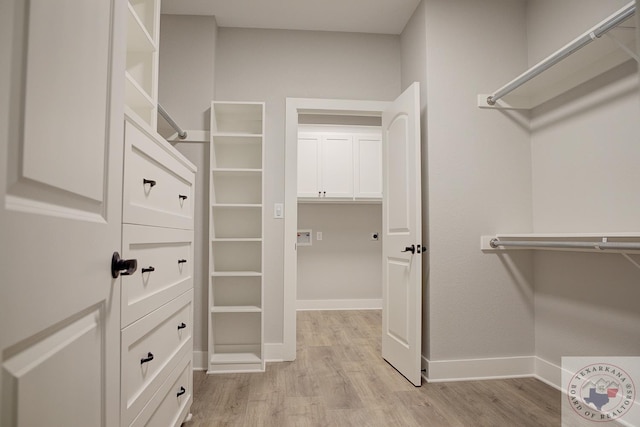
(361, 16)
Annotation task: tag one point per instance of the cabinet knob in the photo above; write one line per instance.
(120, 266)
(146, 181)
(149, 358)
(181, 392)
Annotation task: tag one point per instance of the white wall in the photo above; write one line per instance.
(585, 157)
(271, 65)
(186, 82)
(346, 264)
(478, 163)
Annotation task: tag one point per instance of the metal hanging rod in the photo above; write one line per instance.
(619, 246)
(182, 134)
(575, 45)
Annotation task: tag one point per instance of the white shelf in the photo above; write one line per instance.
(595, 58)
(560, 238)
(236, 233)
(235, 358)
(236, 274)
(138, 38)
(236, 309)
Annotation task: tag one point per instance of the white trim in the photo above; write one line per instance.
(548, 373)
(475, 369)
(274, 352)
(339, 304)
(200, 360)
(308, 106)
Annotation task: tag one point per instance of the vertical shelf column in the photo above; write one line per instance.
(141, 74)
(236, 330)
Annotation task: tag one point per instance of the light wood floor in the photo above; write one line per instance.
(340, 379)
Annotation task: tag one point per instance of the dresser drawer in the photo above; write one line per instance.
(158, 188)
(151, 348)
(166, 256)
(170, 404)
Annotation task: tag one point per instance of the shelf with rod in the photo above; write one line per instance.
(608, 44)
(616, 242)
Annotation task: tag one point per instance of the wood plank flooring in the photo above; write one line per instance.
(340, 379)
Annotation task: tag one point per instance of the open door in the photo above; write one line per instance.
(401, 240)
(61, 130)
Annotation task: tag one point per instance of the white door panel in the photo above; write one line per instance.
(61, 136)
(401, 247)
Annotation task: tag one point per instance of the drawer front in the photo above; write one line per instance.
(170, 405)
(158, 188)
(166, 256)
(151, 347)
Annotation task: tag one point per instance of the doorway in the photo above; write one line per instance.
(296, 107)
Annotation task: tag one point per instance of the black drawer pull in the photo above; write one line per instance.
(181, 392)
(149, 358)
(182, 261)
(148, 269)
(181, 326)
(182, 197)
(146, 181)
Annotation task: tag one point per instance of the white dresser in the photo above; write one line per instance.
(157, 300)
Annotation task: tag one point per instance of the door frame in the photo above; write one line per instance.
(294, 107)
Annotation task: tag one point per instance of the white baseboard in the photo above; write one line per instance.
(548, 373)
(475, 369)
(274, 352)
(200, 362)
(339, 304)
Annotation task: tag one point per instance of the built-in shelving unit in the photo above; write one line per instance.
(236, 341)
(141, 73)
(608, 44)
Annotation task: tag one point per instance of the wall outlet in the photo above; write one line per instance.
(375, 236)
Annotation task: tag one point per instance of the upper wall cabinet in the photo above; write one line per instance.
(339, 166)
(608, 44)
(141, 91)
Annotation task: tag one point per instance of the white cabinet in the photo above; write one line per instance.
(339, 166)
(367, 166)
(157, 299)
(236, 233)
(141, 91)
(325, 164)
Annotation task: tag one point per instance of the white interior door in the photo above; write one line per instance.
(401, 240)
(60, 192)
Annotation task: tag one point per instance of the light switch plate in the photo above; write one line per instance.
(278, 210)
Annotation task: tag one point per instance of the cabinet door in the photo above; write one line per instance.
(367, 170)
(337, 166)
(308, 171)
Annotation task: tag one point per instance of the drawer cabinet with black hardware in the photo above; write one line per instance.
(157, 298)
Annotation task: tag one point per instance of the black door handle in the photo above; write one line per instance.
(181, 392)
(148, 269)
(149, 358)
(181, 326)
(120, 266)
(182, 261)
(182, 197)
(146, 181)
(411, 249)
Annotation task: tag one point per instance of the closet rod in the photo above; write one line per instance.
(556, 57)
(181, 133)
(620, 246)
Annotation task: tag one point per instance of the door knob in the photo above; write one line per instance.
(411, 249)
(120, 266)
